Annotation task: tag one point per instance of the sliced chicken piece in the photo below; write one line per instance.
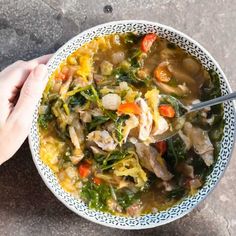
(85, 116)
(201, 142)
(77, 156)
(103, 139)
(74, 137)
(79, 129)
(145, 120)
(145, 154)
(150, 159)
(162, 126)
(97, 150)
(185, 139)
(130, 124)
(186, 169)
(77, 137)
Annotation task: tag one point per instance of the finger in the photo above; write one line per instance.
(30, 94)
(31, 64)
(41, 60)
(21, 117)
(16, 74)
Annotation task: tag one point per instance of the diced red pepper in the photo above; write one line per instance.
(129, 108)
(161, 147)
(84, 170)
(97, 180)
(166, 110)
(147, 42)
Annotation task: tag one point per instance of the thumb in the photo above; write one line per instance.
(30, 95)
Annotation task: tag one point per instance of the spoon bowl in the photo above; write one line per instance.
(181, 110)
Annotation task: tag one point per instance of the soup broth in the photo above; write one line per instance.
(101, 112)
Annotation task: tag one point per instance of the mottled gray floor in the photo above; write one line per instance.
(31, 28)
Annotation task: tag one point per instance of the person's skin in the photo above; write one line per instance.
(21, 86)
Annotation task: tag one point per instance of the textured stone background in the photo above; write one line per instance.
(32, 28)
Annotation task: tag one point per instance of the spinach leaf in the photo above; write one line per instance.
(96, 196)
(211, 88)
(125, 197)
(200, 168)
(76, 100)
(176, 149)
(107, 161)
(216, 133)
(119, 125)
(135, 59)
(45, 118)
(198, 120)
(92, 95)
(130, 77)
(132, 38)
(96, 121)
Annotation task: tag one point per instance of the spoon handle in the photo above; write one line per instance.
(212, 102)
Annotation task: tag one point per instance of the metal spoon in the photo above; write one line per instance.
(178, 122)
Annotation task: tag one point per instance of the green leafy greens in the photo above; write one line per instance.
(45, 118)
(96, 196)
(97, 121)
(119, 125)
(76, 100)
(125, 197)
(107, 161)
(176, 149)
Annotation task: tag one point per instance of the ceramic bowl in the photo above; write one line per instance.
(188, 203)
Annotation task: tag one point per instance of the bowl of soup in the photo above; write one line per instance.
(93, 138)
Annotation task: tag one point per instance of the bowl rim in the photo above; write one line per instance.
(151, 225)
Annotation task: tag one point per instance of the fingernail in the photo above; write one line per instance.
(41, 72)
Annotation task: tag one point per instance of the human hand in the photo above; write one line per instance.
(21, 86)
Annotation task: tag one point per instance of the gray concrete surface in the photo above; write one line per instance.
(32, 28)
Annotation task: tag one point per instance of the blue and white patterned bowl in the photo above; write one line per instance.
(185, 206)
